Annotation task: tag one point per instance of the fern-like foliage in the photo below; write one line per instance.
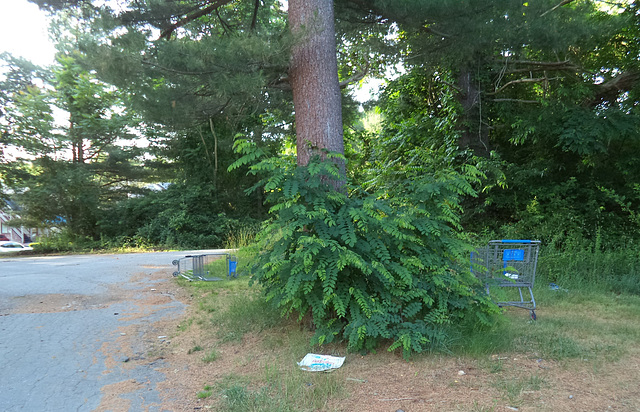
(368, 267)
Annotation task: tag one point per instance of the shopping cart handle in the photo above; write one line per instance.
(515, 241)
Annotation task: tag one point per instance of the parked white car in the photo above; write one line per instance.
(9, 247)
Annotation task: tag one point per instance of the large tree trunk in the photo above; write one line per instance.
(314, 79)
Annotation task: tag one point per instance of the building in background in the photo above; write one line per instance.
(8, 212)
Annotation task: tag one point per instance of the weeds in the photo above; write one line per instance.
(513, 388)
(281, 390)
(205, 393)
(558, 347)
(185, 325)
(241, 238)
(195, 349)
(210, 357)
(245, 313)
(496, 366)
(482, 408)
(235, 308)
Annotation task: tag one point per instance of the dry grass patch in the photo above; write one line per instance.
(570, 359)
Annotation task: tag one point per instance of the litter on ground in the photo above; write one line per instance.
(317, 363)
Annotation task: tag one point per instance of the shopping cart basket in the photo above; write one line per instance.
(197, 267)
(508, 264)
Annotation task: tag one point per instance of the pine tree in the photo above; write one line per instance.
(241, 68)
(314, 79)
(65, 174)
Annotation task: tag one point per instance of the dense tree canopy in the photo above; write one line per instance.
(541, 95)
(544, 94)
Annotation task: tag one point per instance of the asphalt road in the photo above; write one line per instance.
(62, 324)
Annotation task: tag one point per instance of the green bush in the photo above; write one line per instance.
(367, 267)
(65, 241)
(182, 216)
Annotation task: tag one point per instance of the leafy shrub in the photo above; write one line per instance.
(366, 267)
(65, 241)
(181, 216)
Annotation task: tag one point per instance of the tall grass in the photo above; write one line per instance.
(242, 237)
(592, 268)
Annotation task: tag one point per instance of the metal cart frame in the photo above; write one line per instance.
(194, 267)
(508, 264)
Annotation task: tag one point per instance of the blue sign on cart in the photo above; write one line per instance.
(232, 267)
(513, 254)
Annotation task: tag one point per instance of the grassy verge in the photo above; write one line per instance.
(231, 314)
(587, 328)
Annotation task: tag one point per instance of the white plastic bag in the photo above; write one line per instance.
(317, 363)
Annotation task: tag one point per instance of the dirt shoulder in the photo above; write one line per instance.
(375, 382)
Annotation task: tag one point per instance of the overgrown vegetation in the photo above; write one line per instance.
(494, 127)
(593, 266)
(583, 328)
(367, 267)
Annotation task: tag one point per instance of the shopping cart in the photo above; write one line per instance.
(232, 265)
(508, 264)
(198, 267)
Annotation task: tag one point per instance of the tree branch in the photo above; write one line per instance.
(225, 26)
(453, 86)
(540, 65)
(527, 80)
(516, 101)
(356, 77)
(543, 64)
(281, 83)
(437, 33)
(215, 151)
(206, 148)
(609, 90)
(531, 65)
(168, 31)
(114, 181)
(168, 69)
(254, 20)
(562, 3)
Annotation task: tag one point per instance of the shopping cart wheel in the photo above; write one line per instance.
(533, 315)
(175, 274)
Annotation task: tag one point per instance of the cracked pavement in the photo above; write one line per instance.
(77, 332)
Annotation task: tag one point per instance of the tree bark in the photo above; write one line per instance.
(472, 133)
(313, 74)
(610, 90)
